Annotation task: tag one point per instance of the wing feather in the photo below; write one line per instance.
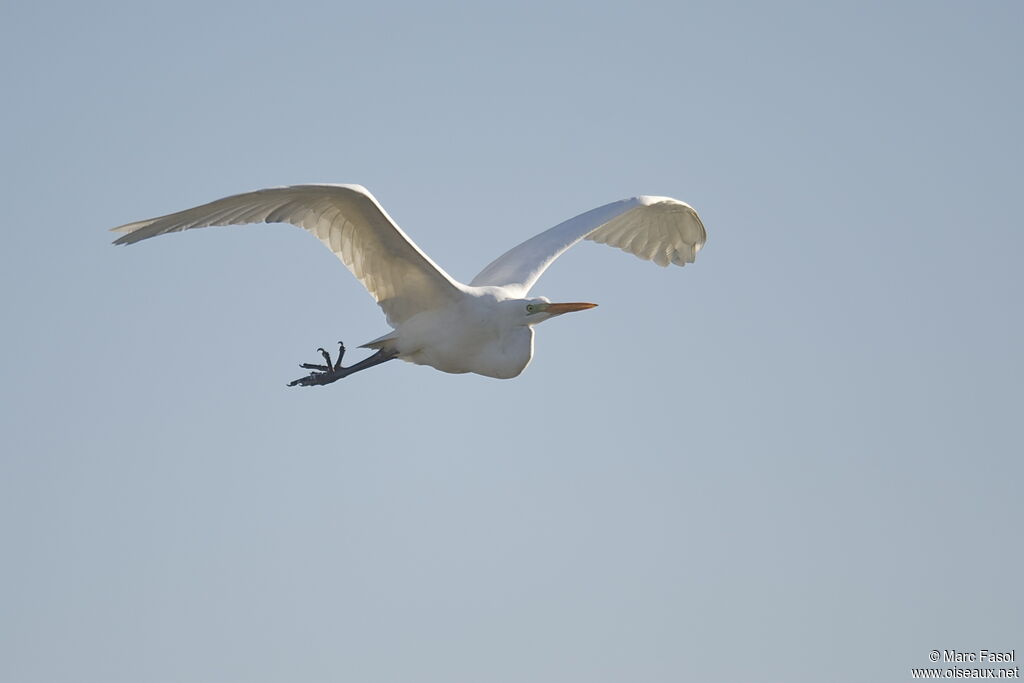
(661, 229)
(348, 220)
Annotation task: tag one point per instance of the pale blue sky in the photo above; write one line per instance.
(797, 460)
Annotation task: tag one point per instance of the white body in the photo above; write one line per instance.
(479, 333)
(485, 327)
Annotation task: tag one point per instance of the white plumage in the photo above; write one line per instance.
(483, 327)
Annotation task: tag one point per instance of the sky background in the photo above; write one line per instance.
(798, 459)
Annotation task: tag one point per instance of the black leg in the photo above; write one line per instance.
(325, 374)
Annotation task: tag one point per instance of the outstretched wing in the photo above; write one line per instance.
(659, 229)
(348, 220)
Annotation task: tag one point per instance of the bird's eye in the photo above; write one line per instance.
(530, 308)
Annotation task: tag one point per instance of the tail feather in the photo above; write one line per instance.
(386, 341)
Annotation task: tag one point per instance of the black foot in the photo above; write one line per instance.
(332, 372)
(322, 374)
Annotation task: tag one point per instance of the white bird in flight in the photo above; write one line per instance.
(484, 327)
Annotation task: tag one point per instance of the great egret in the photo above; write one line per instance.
(484, 327)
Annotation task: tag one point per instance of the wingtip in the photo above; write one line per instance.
(130, 231)
(126, 237)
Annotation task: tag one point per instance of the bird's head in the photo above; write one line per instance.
(538, 310)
